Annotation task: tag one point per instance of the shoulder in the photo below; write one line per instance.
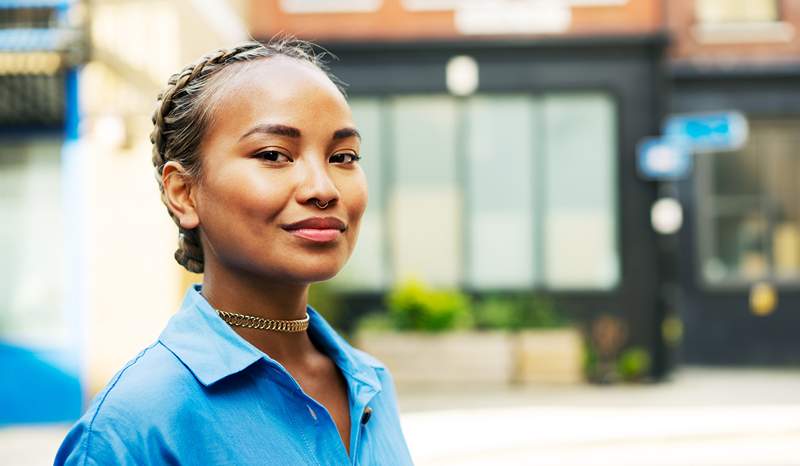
(367, 359)
(150, 382)
(138, 401)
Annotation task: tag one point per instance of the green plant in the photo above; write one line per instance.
(633, 363)
(516, 312)
(590, 361)
(414, 306)
(540, 312)
(497, 312)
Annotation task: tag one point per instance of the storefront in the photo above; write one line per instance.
(740, 248)
(528, 183)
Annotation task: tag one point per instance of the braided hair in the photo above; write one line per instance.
(183, 114)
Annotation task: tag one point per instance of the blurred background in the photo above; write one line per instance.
(583, 238)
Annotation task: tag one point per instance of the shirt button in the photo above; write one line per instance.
(312, 412)
(367, 414)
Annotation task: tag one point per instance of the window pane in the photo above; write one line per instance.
(500, 168)
(580, 151)
(425, 205)
(749, 217)
(741, 244)
(31, 243)
(737, 174)
(731, 11)
(366, 268)
(779, 144)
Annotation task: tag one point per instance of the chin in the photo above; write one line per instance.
(315, 271)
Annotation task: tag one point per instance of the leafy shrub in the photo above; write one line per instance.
(540, 312)
(516, 312)
(633, 363)
(414, 306)
(498, 313)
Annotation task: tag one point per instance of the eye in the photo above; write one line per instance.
(272, 156)
(342, 158)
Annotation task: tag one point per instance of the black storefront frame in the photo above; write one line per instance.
(629, 68)
(719, 328)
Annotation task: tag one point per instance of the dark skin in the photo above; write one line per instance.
(282, 139)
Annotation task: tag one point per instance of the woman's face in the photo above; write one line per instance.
(282, 138)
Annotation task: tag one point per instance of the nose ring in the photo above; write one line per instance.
(321, 206)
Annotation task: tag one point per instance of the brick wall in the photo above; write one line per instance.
(393, 21)
(766, 43)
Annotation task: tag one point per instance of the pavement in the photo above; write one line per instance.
(700, 417)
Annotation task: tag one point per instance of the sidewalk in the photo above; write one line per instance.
(702, 417)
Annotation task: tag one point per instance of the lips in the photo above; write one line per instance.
(317, 223)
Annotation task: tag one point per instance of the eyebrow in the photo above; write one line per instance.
(288, 131)
(345, 133)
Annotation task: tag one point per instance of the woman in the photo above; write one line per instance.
(256, 155)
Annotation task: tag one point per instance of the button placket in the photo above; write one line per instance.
(365, 417)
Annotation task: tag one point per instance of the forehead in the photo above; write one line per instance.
(277, 90)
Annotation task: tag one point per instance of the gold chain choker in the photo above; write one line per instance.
(260, 323)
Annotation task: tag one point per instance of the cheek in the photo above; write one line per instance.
(356, 196)
(245, 193)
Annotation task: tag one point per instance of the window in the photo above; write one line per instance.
(500, 155)
(749, 208)
(31, 235)
(736, 11)
(425, 201)
(490, 192)
(366, 268)
(330, 6)
(579, 209)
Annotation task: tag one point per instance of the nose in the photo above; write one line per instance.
(317, 186)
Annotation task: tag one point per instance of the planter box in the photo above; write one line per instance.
(548, 356)
(478, 358)
(450, 358)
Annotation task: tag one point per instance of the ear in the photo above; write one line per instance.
(179, 194)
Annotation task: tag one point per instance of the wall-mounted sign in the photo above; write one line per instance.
(441, 5)
(709, 132)
(330, 6)
(663, 159)
(503, 17)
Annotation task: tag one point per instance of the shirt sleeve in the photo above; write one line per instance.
(85, 445)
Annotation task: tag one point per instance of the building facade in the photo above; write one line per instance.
(740, 250)
(527, 180)
(41, 47)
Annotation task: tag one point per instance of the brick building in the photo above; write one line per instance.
(503, 135)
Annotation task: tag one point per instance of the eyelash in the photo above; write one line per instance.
(263, 155)
(355, 158)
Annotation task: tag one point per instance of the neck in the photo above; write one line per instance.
(263, 298)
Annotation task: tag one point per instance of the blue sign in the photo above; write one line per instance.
(664, 159)
(709, 132)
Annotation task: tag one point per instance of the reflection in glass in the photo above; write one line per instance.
(749, 209)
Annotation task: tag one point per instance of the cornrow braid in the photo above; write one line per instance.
(183, 114)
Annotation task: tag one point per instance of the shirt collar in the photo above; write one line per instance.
(212, 350)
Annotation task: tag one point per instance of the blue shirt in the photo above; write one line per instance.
(202, 394)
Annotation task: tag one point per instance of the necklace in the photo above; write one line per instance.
(261, 323)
